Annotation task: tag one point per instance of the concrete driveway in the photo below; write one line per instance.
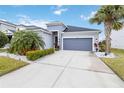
(69, 69)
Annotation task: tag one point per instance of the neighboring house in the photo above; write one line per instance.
(8, 28)
(65, 37)
(117, 39)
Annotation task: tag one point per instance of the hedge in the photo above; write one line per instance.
(34, 55)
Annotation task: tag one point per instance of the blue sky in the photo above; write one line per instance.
(77, 15)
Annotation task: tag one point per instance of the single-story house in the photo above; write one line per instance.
(65, 37)
(72, 37)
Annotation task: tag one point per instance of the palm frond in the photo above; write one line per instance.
(117, 26)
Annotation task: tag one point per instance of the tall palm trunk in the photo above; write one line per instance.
(108, 39)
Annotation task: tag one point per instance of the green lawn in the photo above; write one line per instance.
(116, 64)
(8, 64)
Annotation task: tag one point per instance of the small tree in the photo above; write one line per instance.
(102, 46)
(24, 41)
(3, 39)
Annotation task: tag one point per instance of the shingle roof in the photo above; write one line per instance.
(75, 28)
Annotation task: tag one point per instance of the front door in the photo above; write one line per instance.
(56, 42)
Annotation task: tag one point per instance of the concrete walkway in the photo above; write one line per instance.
(64, 69)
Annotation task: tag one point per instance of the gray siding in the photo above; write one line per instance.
(47, 38)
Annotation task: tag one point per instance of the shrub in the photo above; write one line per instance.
(3, 39)
(102, 46)
(33, 55)
(24, 41)
(57, 49)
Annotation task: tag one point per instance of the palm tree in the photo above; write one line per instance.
(112, 18)
(24, 41)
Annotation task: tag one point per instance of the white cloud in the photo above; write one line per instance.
(22, 16)
(3, 19)
(59, 6)
(60, 11)
(83, 17)
(92, 13)
(89, 16)
(26, 20)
